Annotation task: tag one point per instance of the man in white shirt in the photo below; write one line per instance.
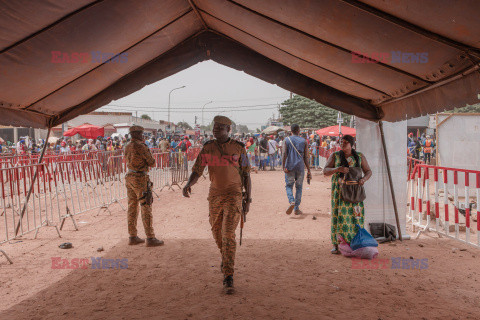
(333, 144)
(272, 152)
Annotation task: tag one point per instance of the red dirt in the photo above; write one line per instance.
(284, 268)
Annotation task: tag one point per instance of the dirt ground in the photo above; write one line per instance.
(284, 269)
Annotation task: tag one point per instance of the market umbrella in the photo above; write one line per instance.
(333, 131)
(53, 139)
(86, 130)
(272, 130)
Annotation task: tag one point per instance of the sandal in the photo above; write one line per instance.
(335, 250)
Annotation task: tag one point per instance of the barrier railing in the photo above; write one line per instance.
(447, 186)
(412, 162)
(319, 160)
(65, 189)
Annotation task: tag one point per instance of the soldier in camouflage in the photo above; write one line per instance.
(229, 173)
(139, 159)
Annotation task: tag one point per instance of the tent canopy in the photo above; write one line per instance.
(86, 130)
(333, 131)
(272, 130)
(56, 56)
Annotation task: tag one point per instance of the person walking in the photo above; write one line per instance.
(139, 159)
(263, 150)
(272, 152)
(294, 161)
(225, 196)
(345, 215)
(251, 147)
(428, 146)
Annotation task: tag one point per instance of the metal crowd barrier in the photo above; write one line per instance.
(69, 186)
(319, 160)
(437, 206)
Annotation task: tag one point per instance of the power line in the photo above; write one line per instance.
(252, 99)
(190, 109)
(183, 111)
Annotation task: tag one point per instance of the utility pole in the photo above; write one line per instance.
(169, 103)
(339, 121)
(203, 109)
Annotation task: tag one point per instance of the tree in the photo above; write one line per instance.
(308, 113)
(474, 108)
(184, 125)
(145, 117)
(242, 128)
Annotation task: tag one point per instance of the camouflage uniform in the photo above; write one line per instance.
(139, 159)
(225, 196)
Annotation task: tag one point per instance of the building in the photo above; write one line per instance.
(113, 122)
(13, 134)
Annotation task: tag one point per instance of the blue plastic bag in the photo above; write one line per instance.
(363, 239)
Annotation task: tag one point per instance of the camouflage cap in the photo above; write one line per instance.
(135, 129)
(222, 120)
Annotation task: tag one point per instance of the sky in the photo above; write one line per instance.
(235, 94)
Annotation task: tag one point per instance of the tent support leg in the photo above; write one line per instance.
(33, 181)
(392, 191)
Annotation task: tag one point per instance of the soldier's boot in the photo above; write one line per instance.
(228, 285)
(135, 240)
(154, 242)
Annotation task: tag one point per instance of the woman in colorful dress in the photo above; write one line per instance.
(345, 215)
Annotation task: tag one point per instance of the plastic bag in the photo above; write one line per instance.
(363, 239)
(362, 253)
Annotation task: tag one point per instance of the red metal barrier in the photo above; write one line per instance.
(420, 194)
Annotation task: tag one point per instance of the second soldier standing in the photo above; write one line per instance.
(229, 173)
(139, 159)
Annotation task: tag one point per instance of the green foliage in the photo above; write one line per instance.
(308, 113)
(242, 128)
(184, 125)
(474, 108)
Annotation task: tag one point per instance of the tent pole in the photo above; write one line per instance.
(392, 191)
(33, 181)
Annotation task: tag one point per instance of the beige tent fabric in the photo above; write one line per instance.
(311, 48)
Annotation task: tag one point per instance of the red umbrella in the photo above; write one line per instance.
(86, 130)
(333, 131)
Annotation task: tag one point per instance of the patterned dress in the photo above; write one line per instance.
(345, 215)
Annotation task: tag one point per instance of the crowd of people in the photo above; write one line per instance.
(264, 151)
(64, 145)
(421, 148)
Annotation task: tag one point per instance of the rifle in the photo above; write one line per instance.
(148, 195)
(244, 215)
